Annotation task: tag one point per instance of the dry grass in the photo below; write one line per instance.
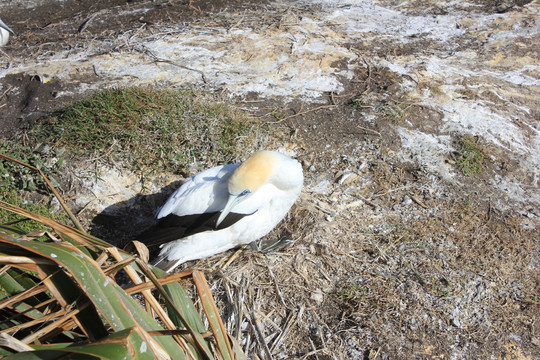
(449, 277)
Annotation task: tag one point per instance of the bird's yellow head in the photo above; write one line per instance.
(261, 168)
(253, 172)
(247, 178)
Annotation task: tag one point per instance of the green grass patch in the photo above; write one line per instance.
(352, 291)
(18, 183)
(151, 130)
(468, 155)
(15, 176)
(39, 206)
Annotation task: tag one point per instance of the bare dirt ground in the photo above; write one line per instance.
(396, 253)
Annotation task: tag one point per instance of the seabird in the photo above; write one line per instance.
(224, 207)
(4, 33)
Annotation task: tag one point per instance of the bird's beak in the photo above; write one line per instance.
(233, 200)
(6, 27)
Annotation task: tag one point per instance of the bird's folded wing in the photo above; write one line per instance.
(205, 192)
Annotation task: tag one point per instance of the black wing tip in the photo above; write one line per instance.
(173, 227)
(166, 265)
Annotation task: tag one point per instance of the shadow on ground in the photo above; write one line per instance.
(120, 223)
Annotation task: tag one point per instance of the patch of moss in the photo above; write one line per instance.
(468, 155)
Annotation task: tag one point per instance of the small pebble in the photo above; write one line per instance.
(317, 297)
(406, 200)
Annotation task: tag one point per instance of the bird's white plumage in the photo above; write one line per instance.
(273, 182)
(203, 192)
(4, 33)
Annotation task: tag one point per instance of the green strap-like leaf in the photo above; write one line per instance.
(237, 349)
(10, 231)
(197, 337)
(49, 355)
(146, 322)
(183, 303)
(126, 344)
(118, 308)
(74, 296)
(16, 281)
(10, 285)
(89, 277)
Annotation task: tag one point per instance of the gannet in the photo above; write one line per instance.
(224, 207)
(4, 33)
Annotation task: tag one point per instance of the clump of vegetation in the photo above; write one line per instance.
(393, 112)
(440, 287)
(17, 181)
(359, 102)
(352, 291)
(150, 130)
(16, 176)
(467, 94)
(59, 299)
(468, 155)
(38, 206)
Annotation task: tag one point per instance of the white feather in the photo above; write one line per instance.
(201, 193)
